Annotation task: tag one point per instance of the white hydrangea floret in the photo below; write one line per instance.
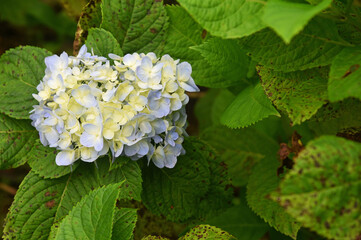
(132, 106)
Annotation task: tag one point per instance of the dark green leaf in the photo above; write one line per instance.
(262, 182)
(226, 57)
(124, 223)
(17, 139)
(138, 25)
(42, 161)
(176, 192)
(344, 80)
(21, 70)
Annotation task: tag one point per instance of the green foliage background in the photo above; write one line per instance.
(276, 151)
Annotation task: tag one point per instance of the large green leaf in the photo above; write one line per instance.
(92, 217)
(249, 107)
(21, 70)
(204, 232)
(227, 57)
(300, 94)
(345, 75)
(261, 183)
(42, 162)
(183, 33)
(315, 46)
(17, 139)
(289, 18)
(91, 17)
(226, 18)
(219, 194)
(138, 25)
(124, 223)
(102, 42)
(41, 202)
(176, 192)
(264, 180)
(322, 191)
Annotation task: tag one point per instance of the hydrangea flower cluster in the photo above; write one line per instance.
(133, 106)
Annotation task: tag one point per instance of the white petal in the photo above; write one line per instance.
(170, 161)
(147, 63)
(188, 87)
(65, 158)
(52, 136)
(92, 129)
(87, 139)
(129, 60)
(99, 143)
(131, 150)
(142, 74)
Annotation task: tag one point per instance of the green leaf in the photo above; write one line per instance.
(102, 42)
(42, 161)
(241, 222)
(17, 139)
(92, 217)
(249, 107)
(138, 25)
(262, 182)
(226, 18)
(91, 17)
(240, 164)
(183, 33)
(204, 232)
(39, 202)
(263, 179)
(322, 189)
(222, 139)
(345, 75)
(21, 70)
(124, 223)
(337, 117)
(226, 56)
(176, 192)
(289, 18)
(315, 46)
(299, 94)
(240, 149)
(219, 194)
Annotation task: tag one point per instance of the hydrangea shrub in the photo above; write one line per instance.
(134, 107)
(277, 148)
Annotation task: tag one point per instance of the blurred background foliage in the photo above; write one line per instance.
(49, 24)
